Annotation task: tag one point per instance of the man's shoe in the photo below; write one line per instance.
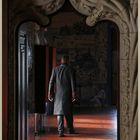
(61, 135)
(71, 132)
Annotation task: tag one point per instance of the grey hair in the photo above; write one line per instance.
(65, 57)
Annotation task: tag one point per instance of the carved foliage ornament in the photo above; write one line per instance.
(93, 18)
(49, 6)
(84, 6)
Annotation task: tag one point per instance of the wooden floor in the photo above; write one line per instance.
(100, 124)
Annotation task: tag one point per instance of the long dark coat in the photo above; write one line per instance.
(63, 81)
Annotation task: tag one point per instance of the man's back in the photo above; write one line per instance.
(64, 75)
(63, 80)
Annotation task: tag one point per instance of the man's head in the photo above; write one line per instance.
(64, 59)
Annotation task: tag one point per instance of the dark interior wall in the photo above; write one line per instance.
(88, 55)
(39, 78)
(90, 51)
(115, 64)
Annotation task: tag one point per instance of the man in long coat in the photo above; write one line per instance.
(62, 91)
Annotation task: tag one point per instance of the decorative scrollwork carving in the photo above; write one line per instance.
(48, 6)
(93, 18)
(120, 14)
(84, 6)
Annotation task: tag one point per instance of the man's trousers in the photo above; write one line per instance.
(60, 122)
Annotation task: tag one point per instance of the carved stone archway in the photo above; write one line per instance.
(122, 14)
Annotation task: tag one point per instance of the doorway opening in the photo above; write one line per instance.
(94, 54)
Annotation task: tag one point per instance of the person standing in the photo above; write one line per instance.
(62, 89)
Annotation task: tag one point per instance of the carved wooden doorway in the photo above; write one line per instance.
(32, 75)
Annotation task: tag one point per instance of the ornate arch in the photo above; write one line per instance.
(125, 17)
